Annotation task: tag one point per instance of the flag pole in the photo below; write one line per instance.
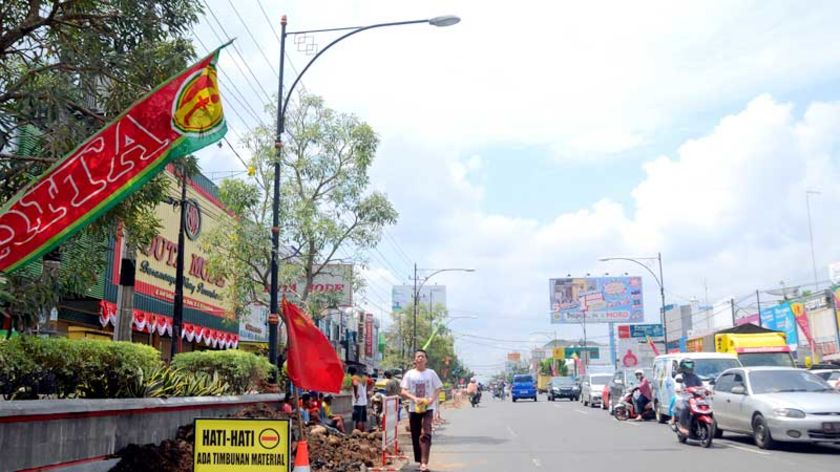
(294, 387)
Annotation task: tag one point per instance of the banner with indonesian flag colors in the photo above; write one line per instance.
(179, 117)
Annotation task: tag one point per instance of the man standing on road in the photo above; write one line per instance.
(360, 402)
(421, 386)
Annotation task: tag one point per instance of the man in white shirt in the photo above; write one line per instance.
(421, 386)
(360, 398)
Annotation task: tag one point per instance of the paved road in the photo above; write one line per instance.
(525, 436)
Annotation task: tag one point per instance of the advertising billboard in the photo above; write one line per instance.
(514, 357)
(781, 318)
(599, 299)
(369, 335)
(402, 296)
(640, 331)
(335, 281)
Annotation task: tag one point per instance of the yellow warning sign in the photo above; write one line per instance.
(245, 445)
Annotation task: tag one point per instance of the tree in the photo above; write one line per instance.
(326, 203)
(66, 69)
(441, 349)
(560, 366)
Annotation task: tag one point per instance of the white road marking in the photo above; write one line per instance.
(582, 412)
(512, 433)
(746, 449)
(536, 462)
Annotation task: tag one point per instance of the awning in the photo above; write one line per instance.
(147, 322)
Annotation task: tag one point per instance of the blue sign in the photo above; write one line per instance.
(645, 330)
(780, 318)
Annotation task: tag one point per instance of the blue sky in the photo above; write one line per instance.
(527, 142)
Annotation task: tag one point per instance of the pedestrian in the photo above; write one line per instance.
(360, 398)
(392, 388)
(421, 386)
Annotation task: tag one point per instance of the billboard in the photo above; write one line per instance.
(402, 296)
(514, 357)
(254, 326)
(335, 281)
(781, 318)
(640, 331)
(369, 335)
(599, 299)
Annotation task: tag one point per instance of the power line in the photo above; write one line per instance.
(238, 53)
(251, 35)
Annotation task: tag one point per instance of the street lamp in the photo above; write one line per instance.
(282, 105)
(417, 289)
(659, 281)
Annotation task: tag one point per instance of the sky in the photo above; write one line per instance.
(529, 141)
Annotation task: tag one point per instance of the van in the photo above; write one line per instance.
(707, 366)
(523, 387)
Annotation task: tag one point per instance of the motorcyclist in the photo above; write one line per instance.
(645, 393)
(472, 390)
(689, 379)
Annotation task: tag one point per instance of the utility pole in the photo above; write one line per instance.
(178, 308)
(808, 194)
(758, 307)
(416, 296)
(732, 305)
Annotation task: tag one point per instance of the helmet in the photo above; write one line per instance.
(472, 380)
(640, 372)
(686, 365)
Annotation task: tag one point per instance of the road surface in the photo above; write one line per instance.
(551, 436)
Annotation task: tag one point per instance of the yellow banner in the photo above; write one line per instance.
(241, 445)
(156, 263)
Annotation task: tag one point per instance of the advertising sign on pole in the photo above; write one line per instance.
(599, 299)
(538, 354)
(594, 352)
(558, 353)
(241, 445)
(334, 282)
(514, 357)
(369, 335)
(640, 331)
(780, 318)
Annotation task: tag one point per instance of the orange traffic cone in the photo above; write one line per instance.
(302, 457)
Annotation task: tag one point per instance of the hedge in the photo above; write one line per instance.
(242, 371)
(32, 367)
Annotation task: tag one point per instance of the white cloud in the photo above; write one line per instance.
(727, 208)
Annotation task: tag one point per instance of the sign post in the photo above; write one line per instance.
(390, 426)
(241, 445)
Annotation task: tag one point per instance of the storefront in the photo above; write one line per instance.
(209, 322)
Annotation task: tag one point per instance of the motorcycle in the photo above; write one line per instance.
(626, 408)
(475, 398)
(701, 422)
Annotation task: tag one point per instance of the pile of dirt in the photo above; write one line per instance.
(333, 452)
(329, 450)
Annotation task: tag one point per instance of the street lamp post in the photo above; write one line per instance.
(417, 289)
(659, 281)
(282, 105)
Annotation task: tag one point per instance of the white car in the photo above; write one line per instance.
(592, 387)
(777, 404)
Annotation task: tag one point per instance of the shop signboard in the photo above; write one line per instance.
(640, 331)
(334, 283)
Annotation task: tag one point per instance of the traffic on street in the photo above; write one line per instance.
(561, 435)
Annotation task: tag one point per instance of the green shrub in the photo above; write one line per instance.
(163, 382)
(241, 370)
(32, 367)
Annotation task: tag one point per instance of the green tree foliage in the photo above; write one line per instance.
(326, 203)
(66, 69)
(442, 356)
(545, 367)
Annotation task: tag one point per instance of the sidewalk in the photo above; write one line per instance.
(404, 436)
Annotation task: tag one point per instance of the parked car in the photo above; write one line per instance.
(775, 404)
(563, 387)
(707, 365)
(832, 376)
(591, 388)
(523, 387)
(620, 382)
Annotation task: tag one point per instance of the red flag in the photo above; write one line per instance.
(313, 363)
(653, 346)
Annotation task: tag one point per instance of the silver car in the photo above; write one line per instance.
(592, 387)
(776, 404)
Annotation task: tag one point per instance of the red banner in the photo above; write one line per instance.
(369, 335)
(179, 117)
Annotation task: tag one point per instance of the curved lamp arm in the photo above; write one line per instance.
(655, 277)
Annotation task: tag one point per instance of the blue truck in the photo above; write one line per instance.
(523, 386)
